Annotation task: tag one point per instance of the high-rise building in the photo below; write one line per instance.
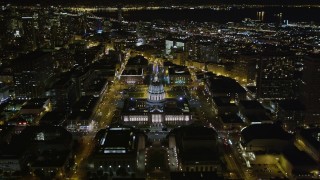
(275, 77)
(244, 69)
(120, 17)
(63, 93)
(174, 44)
(30, 32)
(310, 89)
(31, 74)
(208, 53)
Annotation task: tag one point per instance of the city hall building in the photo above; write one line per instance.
(156, 110)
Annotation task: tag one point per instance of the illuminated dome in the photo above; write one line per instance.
(156, 91)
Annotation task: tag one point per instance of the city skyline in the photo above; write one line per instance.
(159, 90)
(165, 2)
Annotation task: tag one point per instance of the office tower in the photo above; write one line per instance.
(63, 93)
(31, 74)
(275, 77)
(310, 86)
(30, 32)
(174, 44)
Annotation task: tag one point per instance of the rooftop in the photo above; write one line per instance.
(53, 118)
(225, 85)
(171, 105)
(264, 131)
(231, 118)
(179, 70)
(223, 101)
(85, 103)
(127, 72)
(257, 117)
(195, 175)
(46, 134)
(197, 132)
(35, 103)
(135, 105)
(205, 150)
(251, 104)
(117, 139)
(291, 105)
(51, 159)
(137, 60)
(298, 158)
(312, 136)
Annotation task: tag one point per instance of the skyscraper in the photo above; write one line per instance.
(275, 77)
(32, 73)
(310, 89)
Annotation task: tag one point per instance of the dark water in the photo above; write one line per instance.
(292, 14)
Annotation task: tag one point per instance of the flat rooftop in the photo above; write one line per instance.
(291, 105)
(178, 70)
(137, 60)
(223, 101)
(51, 159)
(132, 72)
(225, 85)
(231, 118)
(35, 103)
(263, 131)
(251, 104)
(117, 139)
(204, 151)
(195, 175)
(85, 103)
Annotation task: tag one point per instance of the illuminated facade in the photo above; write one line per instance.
(179, 75)
(257, 141)
(134, 72)
(156, 91)
(156, 109)
(174, 44)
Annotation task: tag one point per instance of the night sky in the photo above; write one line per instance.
(159, 2)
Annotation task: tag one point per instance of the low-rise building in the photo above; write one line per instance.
(45, 151)
(118, 151)
(80, 118)
(224, 106)
(231, 122)
(36, 106)
(135, 70)
(225, 87)
(179, 75)
(263, 143)
(264, 138)
(197, 148)
(251, 111)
